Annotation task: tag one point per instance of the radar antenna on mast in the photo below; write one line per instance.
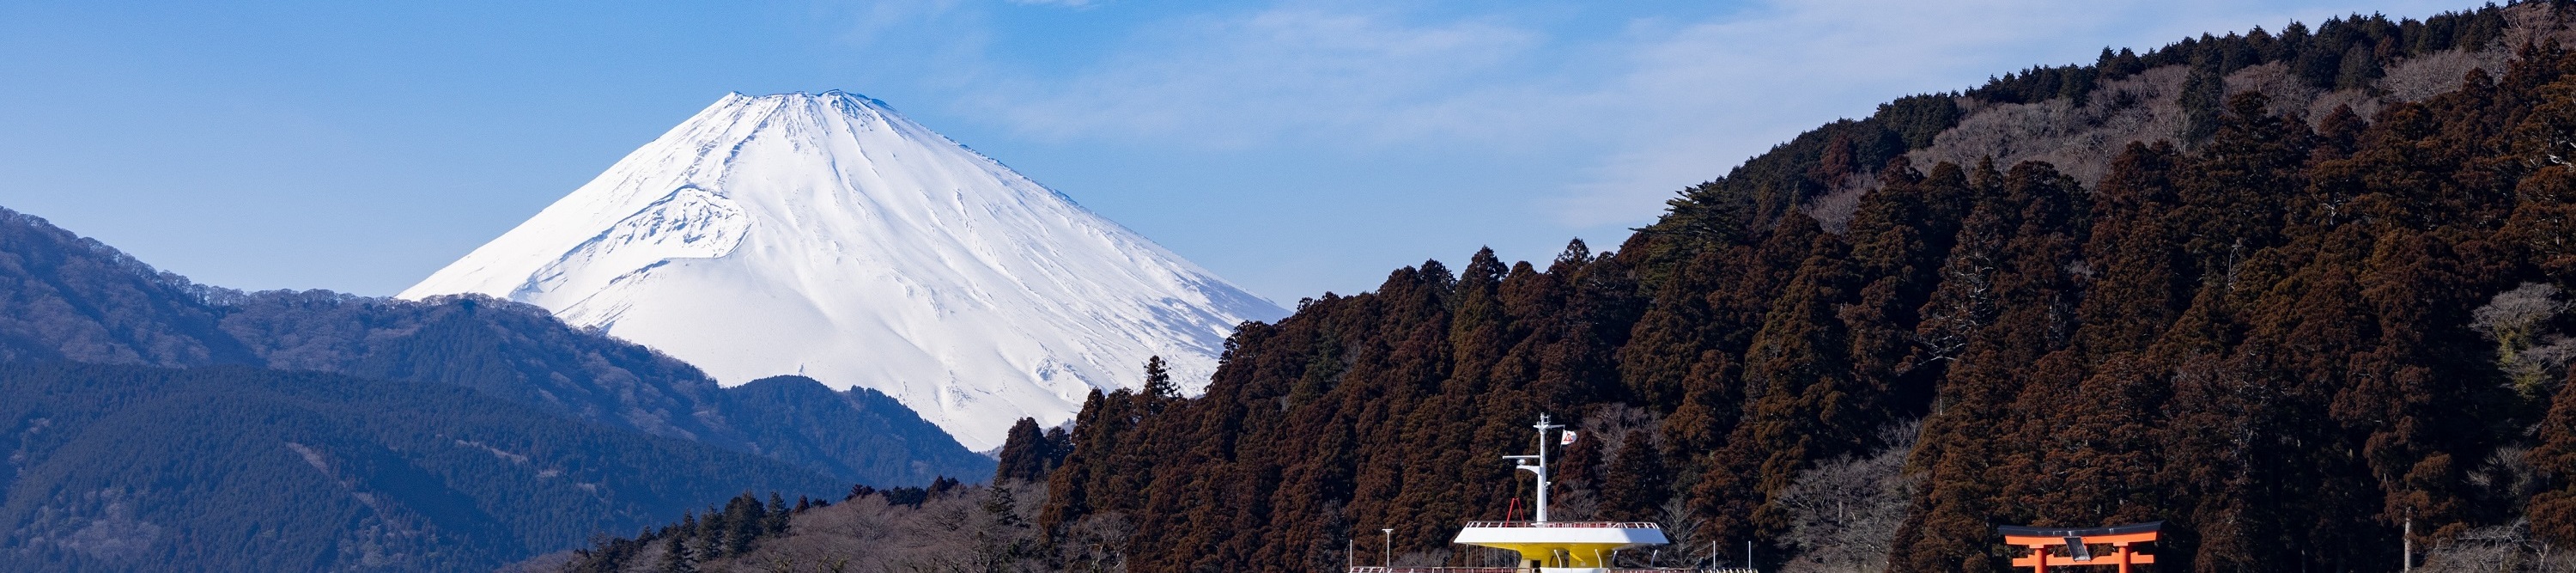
(1537, 464)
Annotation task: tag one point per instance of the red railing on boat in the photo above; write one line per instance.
(1591, 524)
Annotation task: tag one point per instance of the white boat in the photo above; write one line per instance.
(1547, 546)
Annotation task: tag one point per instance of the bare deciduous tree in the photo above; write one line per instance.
(1844, 512)
(977, 529)
(2526, 349)
(2497, 549)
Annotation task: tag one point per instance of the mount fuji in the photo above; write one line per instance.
(825, 235)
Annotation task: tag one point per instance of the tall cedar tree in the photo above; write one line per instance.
(1029, 454)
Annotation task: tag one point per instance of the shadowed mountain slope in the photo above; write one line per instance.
(131, 468)
(73, 298)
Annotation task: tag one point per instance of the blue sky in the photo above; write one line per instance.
(1294, 147)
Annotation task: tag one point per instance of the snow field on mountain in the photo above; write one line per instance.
(827, 236)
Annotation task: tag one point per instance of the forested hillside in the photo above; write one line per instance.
(63, 297)
(2286, 292)
(232, 468)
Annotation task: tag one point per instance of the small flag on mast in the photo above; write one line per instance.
(1568, 440)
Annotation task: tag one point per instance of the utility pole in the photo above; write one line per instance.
(1350, 559)
(1390, 549)
(2407, 554)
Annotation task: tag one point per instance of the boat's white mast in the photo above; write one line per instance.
(1539, 468)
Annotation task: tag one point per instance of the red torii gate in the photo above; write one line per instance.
(2076, 540)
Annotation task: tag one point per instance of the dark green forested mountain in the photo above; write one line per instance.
(858, 432)
(63, 297)
(234, 468)
(2286, 291)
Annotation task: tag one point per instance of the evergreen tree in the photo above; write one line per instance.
(1027, 455)
(1158, 379)
(2008, 277)
(2144, 281)
(2202, 94)
(676, 555)
(775, 518)
(2553, 511)
(1637, 483)
(1803, 403)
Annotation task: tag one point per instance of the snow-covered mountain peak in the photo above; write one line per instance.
(826, 235)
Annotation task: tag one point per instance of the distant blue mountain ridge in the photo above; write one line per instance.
(66, 300)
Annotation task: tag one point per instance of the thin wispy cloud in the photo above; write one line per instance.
(1726, 90)
(1644, 111)
(1275, 74)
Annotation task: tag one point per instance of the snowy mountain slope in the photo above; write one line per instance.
(827, 236)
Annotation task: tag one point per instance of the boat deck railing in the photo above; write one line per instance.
(1512, 570)
(1588, 524)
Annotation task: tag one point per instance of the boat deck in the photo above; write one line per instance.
(1517, 570)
